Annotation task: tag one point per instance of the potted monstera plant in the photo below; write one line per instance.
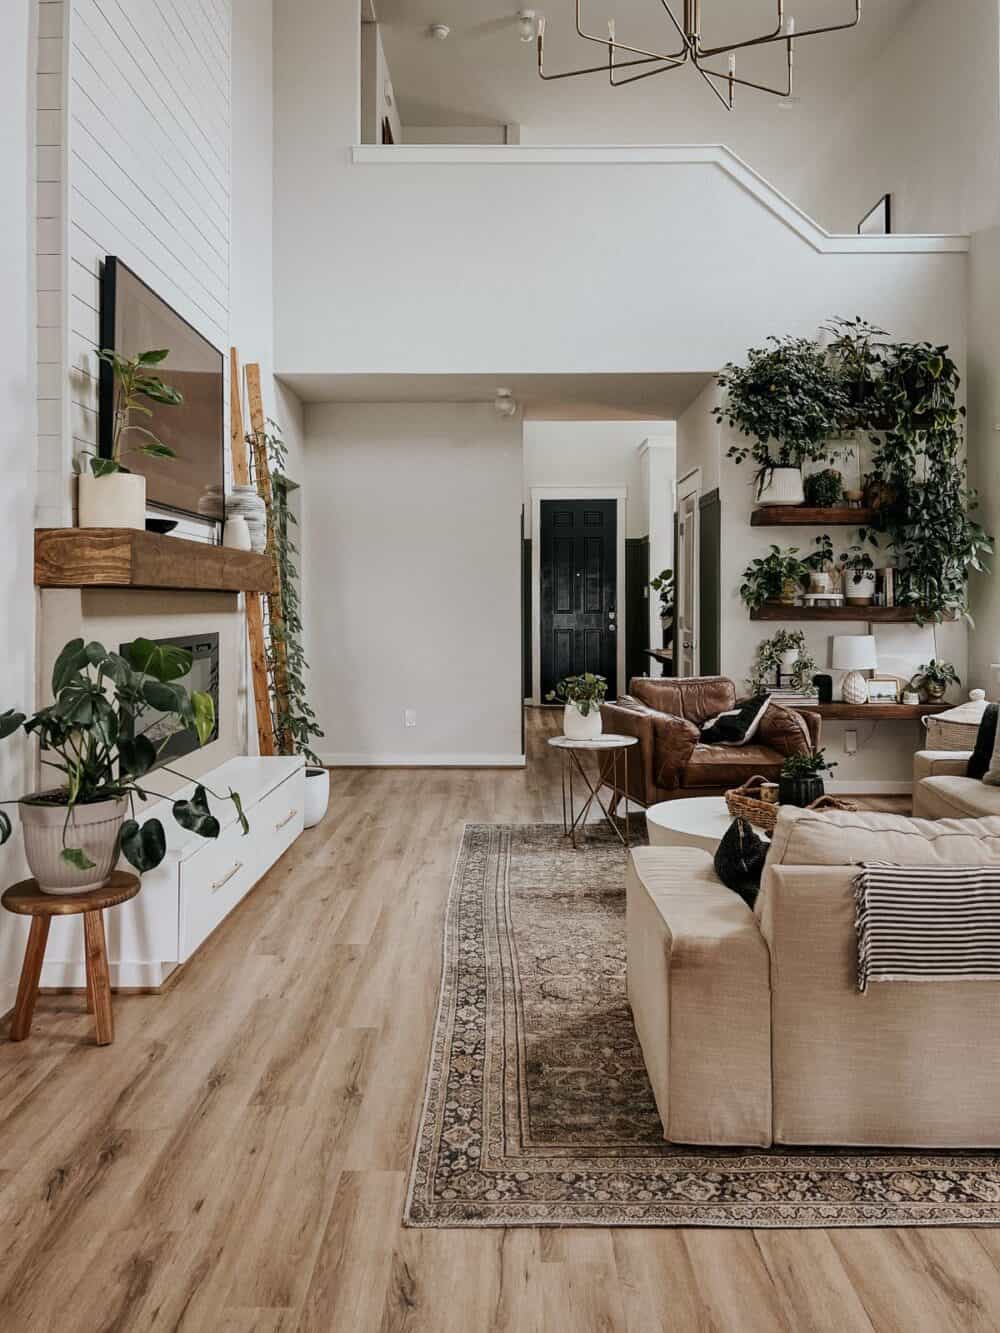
(109, 495)
(98, 735)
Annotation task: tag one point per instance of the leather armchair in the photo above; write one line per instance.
(670, 763)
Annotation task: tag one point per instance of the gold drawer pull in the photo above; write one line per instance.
(226, 878)
(287, 820)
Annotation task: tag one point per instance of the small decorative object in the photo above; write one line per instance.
(95, 737)
(244, 502)
(855, 499)
(317, 795)
(824, 490)
(883, 691)
(824, 688)
(776, 577)
(236, 534)
(859, 576)
(739, 860)
(854, 653)
(934, 677)
(663, 586)
(161, 525)
(827, 599)
(889, 585)
(582, 697)
(109, 495)
(783, 654)
(799, 782)
(769, 793)
(911, 697)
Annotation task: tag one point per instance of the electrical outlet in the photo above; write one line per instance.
(409, 717)
(850, 742)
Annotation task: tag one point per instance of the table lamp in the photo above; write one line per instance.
(854, 653)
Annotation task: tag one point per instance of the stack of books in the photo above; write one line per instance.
(792, 698)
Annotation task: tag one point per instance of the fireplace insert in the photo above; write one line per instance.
(203, 676)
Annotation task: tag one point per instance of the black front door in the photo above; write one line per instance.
(578, 551)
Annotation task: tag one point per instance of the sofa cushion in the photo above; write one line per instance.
(728, 766)
(842, 837)
(947, 796)
(696, 698)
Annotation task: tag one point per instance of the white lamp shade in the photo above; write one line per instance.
(854, 652)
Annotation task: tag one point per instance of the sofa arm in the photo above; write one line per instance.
(940, 763)
(699, 986)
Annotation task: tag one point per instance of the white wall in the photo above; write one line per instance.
(984, 443)
(414, 597)
(17, 430)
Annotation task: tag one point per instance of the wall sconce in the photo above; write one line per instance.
(528, 25)
(504, 404)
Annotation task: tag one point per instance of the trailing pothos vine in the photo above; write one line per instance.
(295, 721)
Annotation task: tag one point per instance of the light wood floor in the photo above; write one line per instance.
(237, 1159)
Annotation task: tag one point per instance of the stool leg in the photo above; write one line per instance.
(90, 979)
(31, 970)
(97, 958)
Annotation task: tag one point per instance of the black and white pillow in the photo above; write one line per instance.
(737, 726)
(981, 759)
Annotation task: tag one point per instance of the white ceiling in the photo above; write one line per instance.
(543, 397)
(483, 75)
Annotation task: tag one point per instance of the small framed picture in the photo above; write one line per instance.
(883, 691)
(878, 220)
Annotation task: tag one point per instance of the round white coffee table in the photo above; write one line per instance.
(699, 822)
(609, 747)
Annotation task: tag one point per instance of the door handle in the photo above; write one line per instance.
(687, 644)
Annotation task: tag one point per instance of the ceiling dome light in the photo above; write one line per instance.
(504, 404)
(439, 31)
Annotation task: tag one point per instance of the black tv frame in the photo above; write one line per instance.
(106, 379)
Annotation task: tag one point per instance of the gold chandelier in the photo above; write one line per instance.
(690, 52)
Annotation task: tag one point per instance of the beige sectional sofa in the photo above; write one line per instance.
(942, 791)
(751, 1024)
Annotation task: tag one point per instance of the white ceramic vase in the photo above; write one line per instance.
(787, 660)
(317, 795)
(94, 828)
(115, 501)
(784, 487)
(244, 502)
(236, 534)
(576, 727)
(859, 589)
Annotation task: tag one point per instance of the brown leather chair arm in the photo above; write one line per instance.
(634, 722)
(781, 730)
(674, 739)
(665, 745)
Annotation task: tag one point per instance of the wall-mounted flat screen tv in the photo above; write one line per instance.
(134, 319)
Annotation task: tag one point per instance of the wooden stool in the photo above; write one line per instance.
(27, 899)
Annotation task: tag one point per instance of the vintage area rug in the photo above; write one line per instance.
(538, 1110)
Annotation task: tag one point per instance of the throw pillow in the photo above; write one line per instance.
(739, 860)
(737, 726)
(992, 775)
(979, 760)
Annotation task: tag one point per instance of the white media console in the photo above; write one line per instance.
(199, 881)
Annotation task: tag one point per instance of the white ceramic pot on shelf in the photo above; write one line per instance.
(788, 659)
(236, 534)
(576, 727)
(115, 501)
(859, 589)
(317, 795)
(783, 487)
(94, 828)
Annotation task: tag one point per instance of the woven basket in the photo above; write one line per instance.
(742, 804)
(945, 735)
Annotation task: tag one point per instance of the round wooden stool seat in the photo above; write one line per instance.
(27, 899)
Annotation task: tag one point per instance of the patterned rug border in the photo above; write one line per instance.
(759, 1215)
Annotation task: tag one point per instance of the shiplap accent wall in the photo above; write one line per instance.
(145, 151)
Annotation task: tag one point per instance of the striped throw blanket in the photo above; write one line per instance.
(927, 923)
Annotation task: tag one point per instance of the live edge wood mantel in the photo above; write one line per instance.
(131, 558)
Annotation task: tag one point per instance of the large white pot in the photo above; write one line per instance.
(94, 828)
(576, 727)
(859, 589)
(784, 487)
(115, 501)
(788, 659)
(317, 795)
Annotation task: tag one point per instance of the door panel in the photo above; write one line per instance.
(687, 586)
(578, 611)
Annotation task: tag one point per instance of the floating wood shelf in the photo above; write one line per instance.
(874, 614)
(874, 712)
(803, 516)
(131, 558)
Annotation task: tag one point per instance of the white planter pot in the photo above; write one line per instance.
(788, 659)
(576, 727)
(317, 795)
(95, 829)
(236, 534)
(820, 581)
(859, 589)
(115, 501)
(783, 488)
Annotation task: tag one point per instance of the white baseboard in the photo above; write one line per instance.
(867, 787)
(130, 976)
(422, 760)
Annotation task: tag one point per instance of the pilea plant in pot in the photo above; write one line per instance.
(295, 721)
(934, 677)
(109, 495)
(582, 697)
(799, 782)
(777, 577)
(784, 654)
(788, 401)
(111, 717)
(859, 576)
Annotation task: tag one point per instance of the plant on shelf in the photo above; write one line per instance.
(111, 717)
(934, 677)
(856, 351)
(799, 782)
(582, 697)
(776, 577)
(788, 401)
(859, 575)
(783, 653)
(663, 586)
(109, 494)
(823, 489)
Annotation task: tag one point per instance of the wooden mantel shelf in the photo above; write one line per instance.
(881, 614)
(131, 558)
(874, 712)
(803, 516)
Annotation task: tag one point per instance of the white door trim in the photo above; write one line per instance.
(538, 494)
(690, 486)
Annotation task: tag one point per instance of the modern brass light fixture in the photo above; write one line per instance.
(691, 51)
